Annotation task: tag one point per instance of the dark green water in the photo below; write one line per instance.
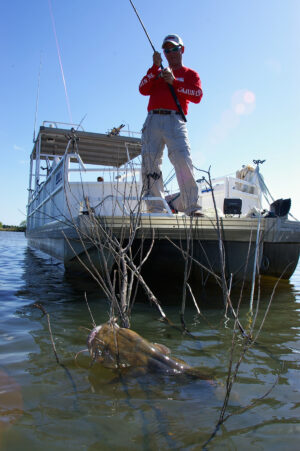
(46, 407)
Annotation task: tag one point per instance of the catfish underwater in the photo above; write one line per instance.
(119, 348)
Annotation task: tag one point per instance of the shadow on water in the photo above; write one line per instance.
(45, 280)
(45, 277)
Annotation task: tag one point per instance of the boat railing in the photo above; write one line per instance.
(58, 198)
(108, 191)
(55, 124)
(127, 206)
(46, 202)
(114, 174)
(116, 191)
(119, 191)
(111, 199)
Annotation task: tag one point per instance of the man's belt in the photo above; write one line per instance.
(163, 112)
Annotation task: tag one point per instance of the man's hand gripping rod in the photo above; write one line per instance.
(172, 90)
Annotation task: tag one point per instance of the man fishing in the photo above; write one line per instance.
(165, 125)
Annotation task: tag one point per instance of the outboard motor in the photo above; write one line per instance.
(280, 207)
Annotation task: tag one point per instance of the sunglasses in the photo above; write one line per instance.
(173, 49)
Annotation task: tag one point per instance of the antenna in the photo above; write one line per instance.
(37, 98)
(60, 61)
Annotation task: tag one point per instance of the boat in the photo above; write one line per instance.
(86, 193)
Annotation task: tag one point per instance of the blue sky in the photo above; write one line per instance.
(245, 51)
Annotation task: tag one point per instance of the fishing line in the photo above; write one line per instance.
(60, 61)
(37, 98)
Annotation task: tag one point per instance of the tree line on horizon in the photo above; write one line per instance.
(20, 228)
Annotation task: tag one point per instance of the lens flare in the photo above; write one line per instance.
(243, 102)
(249, 97)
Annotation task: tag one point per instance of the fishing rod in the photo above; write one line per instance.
(172, 90)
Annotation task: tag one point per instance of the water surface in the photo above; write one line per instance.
(51, 407)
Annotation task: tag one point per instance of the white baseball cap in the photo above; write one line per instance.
(174, 39)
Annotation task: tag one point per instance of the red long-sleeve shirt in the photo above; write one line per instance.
(187, 85)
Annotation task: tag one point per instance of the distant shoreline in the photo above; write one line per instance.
(12, 229)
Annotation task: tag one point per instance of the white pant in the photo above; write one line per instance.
(170, 130)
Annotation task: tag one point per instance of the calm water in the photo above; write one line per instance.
(44, 406)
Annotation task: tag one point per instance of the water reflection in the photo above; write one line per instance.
(45, 280)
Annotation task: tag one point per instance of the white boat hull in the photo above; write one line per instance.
(278, 248)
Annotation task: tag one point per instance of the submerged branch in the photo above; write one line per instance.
(45, 313)
(232, 375)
